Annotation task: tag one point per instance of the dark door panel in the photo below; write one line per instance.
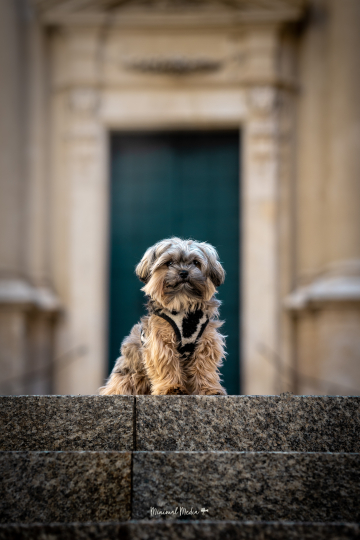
(186, 184)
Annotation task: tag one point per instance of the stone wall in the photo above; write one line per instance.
(28, 304)
(326, 300)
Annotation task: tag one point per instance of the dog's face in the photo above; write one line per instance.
(180, 274)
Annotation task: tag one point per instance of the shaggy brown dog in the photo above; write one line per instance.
(176, 348)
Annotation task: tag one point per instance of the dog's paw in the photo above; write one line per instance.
(211, 392)
(176, 391)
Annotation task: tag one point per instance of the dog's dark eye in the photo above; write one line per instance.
(196, 263)
(169, 263)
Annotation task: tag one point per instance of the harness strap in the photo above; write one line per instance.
(186, 351)
(170, 321)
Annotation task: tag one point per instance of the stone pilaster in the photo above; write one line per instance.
(267, 226)
(27, 303)
(326, 303)
(260, 279)
(81, 220)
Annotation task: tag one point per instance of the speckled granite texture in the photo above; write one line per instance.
(252, 423)
(64, 486)
(183, 531)
(66, 423)
(267, 486)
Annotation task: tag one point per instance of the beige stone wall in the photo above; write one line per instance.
(326, 303)
(27, 302)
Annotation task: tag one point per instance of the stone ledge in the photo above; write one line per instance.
(248, 485)
(155, 14)
(248, 423)
(66, 423)
(193, 423)
(339, 284)
(20, 293)
(182, 530)
(65, 486)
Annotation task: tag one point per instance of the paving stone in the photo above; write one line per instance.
(247, 485)
(64, 486)
(66, 423)
(182, 530)
(251, 423)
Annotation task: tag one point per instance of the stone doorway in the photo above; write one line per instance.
(174, 183)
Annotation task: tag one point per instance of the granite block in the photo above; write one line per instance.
(182, 530)
(66, 423)
(266, 486)
(64, 486)
(248, 423)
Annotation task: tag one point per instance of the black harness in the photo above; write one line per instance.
(188, 328)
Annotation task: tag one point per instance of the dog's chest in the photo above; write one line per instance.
(188, 328)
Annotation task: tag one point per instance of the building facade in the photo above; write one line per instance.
(286, 73)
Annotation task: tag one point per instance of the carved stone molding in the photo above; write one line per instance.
(324, 291)
(340, 283)
(64, 11)
(249, 5)
(19, 293)
(263, 99)
(173, 65)
(198, 4)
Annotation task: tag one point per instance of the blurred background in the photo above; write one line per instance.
(235, 122)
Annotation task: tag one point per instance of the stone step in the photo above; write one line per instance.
(66, 422)
(270, 486)
(182, 530)
(65, 486)
(248, 423)
(232, 423)
(107, 486)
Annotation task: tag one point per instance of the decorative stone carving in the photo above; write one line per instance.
(173, 65)
(263, 99)
(230, 4)
(245, 5)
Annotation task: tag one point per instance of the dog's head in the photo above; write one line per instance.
(180, 274)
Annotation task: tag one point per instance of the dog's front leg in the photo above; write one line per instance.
(203, 369)
(162, 361)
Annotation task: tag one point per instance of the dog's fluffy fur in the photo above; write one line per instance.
(150, 362)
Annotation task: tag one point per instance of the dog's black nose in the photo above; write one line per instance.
(183, 274)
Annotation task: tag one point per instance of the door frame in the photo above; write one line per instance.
(85, 162)
(199, 127)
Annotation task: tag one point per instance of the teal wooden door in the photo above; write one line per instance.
(186, 184)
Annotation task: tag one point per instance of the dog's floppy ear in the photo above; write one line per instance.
(143, 268)
(216, 271)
